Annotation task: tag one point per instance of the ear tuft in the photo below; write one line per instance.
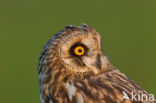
(69, 27)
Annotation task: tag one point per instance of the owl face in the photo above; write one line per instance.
(80, 51)
(72, 53)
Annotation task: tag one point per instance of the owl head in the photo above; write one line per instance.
(72, 53)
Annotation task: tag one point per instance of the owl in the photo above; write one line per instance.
(73, 69)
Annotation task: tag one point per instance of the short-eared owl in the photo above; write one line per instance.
(73, 69)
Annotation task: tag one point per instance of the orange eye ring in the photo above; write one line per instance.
(79, 50)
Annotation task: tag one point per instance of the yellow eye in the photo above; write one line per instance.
(79, 50)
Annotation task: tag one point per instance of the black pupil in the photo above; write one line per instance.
(79, 50)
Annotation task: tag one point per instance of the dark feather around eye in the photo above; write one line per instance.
(71, 50)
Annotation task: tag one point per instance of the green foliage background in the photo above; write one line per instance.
(128, 29)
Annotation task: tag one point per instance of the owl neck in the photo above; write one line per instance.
(58, 73)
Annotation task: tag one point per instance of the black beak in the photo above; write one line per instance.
(98, 62)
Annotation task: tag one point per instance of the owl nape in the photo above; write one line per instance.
(73, 69)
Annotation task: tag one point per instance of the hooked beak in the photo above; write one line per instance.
(98, 62)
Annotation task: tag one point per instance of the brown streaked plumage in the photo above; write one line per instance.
(73, 69)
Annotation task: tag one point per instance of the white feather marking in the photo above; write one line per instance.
(71, 91)
(80, 99)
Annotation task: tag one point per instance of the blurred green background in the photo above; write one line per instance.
(128, 29)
